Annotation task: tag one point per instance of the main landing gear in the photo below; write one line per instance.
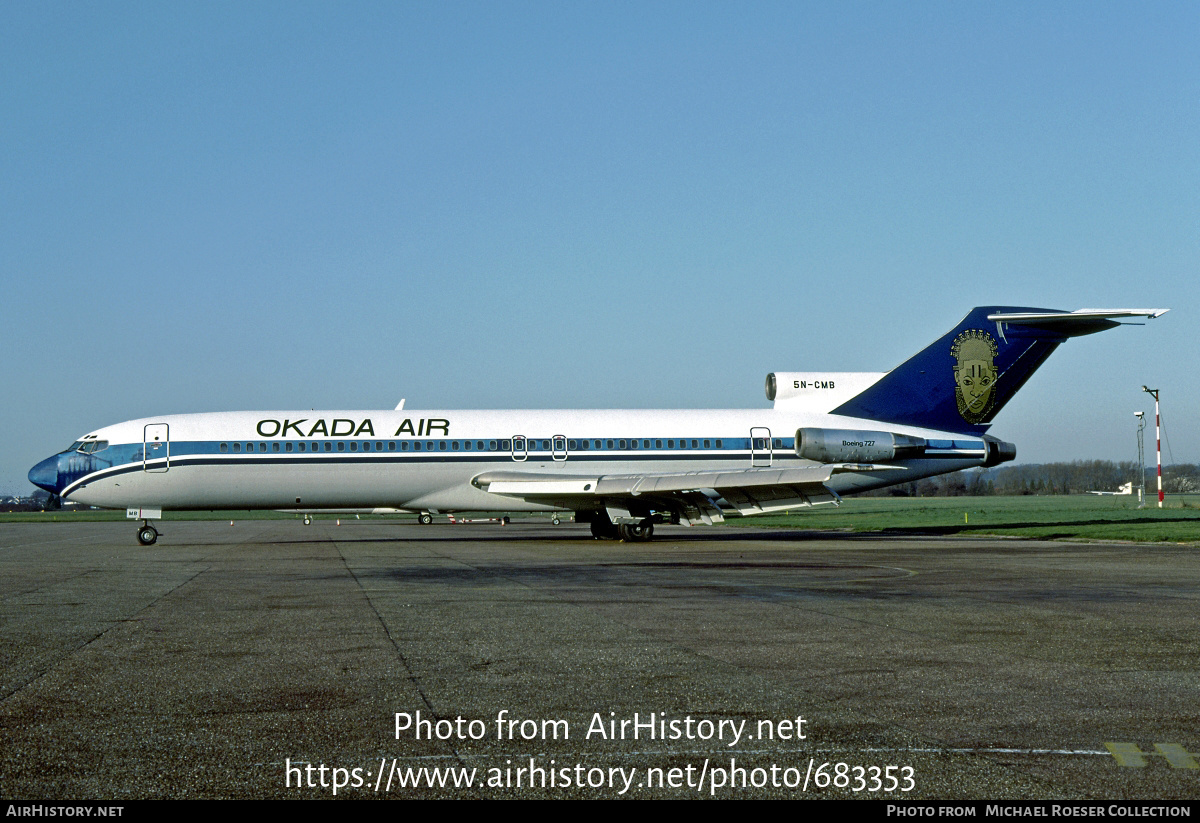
(637, 533)
(605, 529)
(147, 534)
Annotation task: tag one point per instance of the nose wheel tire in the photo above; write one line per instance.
(147, 535)
(425, 519)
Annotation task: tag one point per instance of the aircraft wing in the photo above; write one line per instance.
(693, 494)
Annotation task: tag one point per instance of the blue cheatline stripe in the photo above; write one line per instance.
(446, 447)
(126, 458)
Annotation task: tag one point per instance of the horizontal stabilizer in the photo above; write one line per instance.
(1072, 323)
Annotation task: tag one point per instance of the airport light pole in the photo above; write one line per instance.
(1157, 441)
(1141, 418)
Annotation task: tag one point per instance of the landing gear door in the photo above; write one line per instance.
(156, 451)
(760, 447)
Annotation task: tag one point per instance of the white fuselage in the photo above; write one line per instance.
(427, 460)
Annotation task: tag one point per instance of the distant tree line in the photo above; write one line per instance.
(1076, 477)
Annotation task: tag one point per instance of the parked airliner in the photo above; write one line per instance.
(828, 434)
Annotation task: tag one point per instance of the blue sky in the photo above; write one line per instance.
(502, 205)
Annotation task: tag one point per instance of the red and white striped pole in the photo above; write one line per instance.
(1157, 441)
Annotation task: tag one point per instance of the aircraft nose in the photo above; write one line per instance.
(45, 475)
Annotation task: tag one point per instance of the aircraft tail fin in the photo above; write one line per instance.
(961, 381)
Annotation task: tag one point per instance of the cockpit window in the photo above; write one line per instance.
(73, 447)
(94, 446)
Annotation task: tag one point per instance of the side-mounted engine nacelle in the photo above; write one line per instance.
(851, 446)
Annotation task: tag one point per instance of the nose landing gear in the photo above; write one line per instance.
(147, 534)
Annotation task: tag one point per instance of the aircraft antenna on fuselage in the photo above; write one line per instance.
(400, 405)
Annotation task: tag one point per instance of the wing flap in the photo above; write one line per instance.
(749, 491)
(520, 484)
(763, 499)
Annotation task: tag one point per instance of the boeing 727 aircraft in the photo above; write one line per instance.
(622, 471)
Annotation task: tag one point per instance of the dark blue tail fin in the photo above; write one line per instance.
(960, 382)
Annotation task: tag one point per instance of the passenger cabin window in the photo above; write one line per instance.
(224, 448)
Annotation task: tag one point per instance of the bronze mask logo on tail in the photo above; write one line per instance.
(975, 375)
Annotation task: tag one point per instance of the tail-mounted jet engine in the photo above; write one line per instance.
(998, 451)
(851, 446)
